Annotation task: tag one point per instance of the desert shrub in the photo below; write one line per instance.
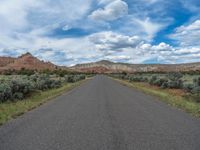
(175, 80)
(34, 77)
(56, 84)
(153, 79)
(14, 89)
(18, 95)
(160, 81)
(44, 82)
(74, 78)
(196, 81)
(175, 84)
(193, 88)
(137, 79)
(174, 76)
(79, 77)
(196, 94)
(17, 87)
(164, 85)
(188, 87)
(146, 79)
(5, 92)
(21, 85)
(69, 78)
(196, 90)
(54, 76)
(82, 77)
(172, 80)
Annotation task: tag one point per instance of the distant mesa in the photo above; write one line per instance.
(28, 61)
(105, 66)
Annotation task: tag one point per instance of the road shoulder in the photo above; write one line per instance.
(165, 96)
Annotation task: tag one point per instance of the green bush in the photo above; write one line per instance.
(69, 78)
(196, 81)
(193, 88)
(153, 79)
(56, 84)
(5, 92)
(18, 95)
(74, 78)
(160, 82)
(20, 85)
(196, 90)
(175, 84)
(188, 87)
(164, 85)
(175, 81)
(44, 82)
(82, 77)
(174, 76)
(137, 79)
(34, 77)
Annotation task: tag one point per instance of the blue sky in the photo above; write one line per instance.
(70, 32)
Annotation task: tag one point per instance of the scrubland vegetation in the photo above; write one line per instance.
(17, 87)
(175, 88)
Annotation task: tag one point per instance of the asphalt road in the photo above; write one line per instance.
(102, 115)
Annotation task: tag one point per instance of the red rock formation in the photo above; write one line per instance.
(26, 61)
(4, 61)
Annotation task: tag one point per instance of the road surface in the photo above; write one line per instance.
(102, 115)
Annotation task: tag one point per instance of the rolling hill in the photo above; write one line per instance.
(28, 61)
(105, 66)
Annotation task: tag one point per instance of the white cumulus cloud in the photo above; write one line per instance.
(188, 35)
(110, 41)
(112, 11)
(148, 27)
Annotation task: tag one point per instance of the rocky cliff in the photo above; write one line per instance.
(26, 61)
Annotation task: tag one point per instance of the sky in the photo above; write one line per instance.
(68, 32)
